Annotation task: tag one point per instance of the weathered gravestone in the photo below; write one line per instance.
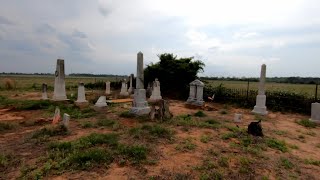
(140, 104)
(260, 107)
(315, 112)
(59, 93)
(44, 91)
(124, 89)
(130, 90)
(196, 93)
(102, 102)
(108, 91)
(156, 93)
(81, 94)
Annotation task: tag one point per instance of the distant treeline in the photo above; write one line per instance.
(291, 80)
(15, 73)
(95, 75)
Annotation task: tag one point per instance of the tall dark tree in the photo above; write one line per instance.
(174, 74)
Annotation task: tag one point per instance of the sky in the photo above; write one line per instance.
(232, 37)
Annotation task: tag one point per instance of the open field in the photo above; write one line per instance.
(308, 89)
(28, 82)
(111, 144)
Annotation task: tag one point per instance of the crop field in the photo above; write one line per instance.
(308, 89)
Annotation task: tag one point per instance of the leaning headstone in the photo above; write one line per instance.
(59, 93)
(102, 102)
(260, 107)
(156, 93)
(196, 93)
(140, 104)
(108, 91)
(81, 94)
(130, 90)
(124, 89)
(66, 119)
(44, 91)
(315, 112)
(57, 116)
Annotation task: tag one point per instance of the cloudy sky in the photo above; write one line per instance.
(232, 37)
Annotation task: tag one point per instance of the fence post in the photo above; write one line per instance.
(316, 94)
(247, 91)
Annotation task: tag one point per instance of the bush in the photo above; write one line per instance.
(174, 74)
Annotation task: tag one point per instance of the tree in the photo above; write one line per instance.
(174, 74)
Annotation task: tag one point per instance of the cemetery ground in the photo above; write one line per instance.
(112, 144)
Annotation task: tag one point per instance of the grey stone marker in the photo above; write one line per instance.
(156, 93)
(81, 94)
(102, 102)
(196, 93)
(108, 91)
(237, 117)
(140, 104)
(130, 90)
(59, 93)
(315, 112)
(44, 91)
(260, 107)
(124, 89)
(66, 119)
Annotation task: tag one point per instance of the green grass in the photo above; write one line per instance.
(245, 165)
(51, 131)
(127, 114)
(86, 124)
(223, 161)
(277, 144)
(312, 162)
(286, 163)
(205, 138)
(229, 135)
(186, 145)
(107, 123)
(6, 126)
(85, 153)
(200, 114)
(151, 132)
(307, 123)
(187, 121)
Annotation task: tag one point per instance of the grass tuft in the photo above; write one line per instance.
(277, 144)
(200, 114)
(51, 131)
(307, 123)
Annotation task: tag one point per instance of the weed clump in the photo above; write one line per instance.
(307, 123)
(51, 131)
(200, 114)
(276, 144)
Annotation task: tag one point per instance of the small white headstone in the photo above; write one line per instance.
(44, 91)
(108, 91)
(66, 119)
(156, 93)
(124, 89)
(237, 117)
(57, 116)
(81, 94)
(315, 112)
(102, 102)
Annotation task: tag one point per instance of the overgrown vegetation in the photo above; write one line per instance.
(200, 114)
(85, 153)
(51, 131)
(307, 123)
(151, 132)
(174, 74)
(188, 121)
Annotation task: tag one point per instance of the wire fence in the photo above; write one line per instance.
(282, 101)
